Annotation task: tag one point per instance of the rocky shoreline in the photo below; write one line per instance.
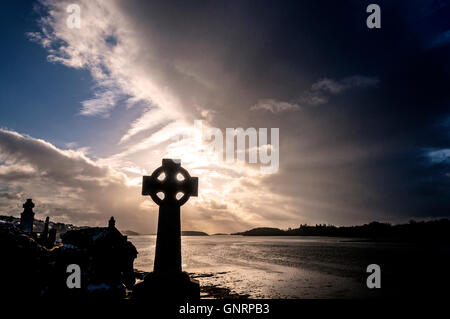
(206, 291)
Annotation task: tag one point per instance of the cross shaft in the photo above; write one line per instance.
(168, 242)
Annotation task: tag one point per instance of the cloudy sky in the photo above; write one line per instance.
(363, 114)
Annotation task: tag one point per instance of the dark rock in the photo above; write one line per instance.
(29, 270)
(111, 255)
(23, 263)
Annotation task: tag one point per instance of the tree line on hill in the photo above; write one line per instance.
(423, 230)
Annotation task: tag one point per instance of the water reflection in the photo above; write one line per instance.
(274, 267)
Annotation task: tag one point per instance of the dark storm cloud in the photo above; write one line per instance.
(9, 196)
(363, 151)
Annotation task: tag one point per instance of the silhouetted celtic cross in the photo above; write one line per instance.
(176, 185)
(170, 179)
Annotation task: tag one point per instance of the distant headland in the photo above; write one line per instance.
(414, 230)
(193, 233)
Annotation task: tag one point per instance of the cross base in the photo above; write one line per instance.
(167, 287)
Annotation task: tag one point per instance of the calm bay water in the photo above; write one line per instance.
(278, 267)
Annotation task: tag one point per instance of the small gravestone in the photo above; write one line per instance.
(44, 234)
(170, 186)
(51, 238)
(27, 217)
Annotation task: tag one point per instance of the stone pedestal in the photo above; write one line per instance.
(167, 287)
